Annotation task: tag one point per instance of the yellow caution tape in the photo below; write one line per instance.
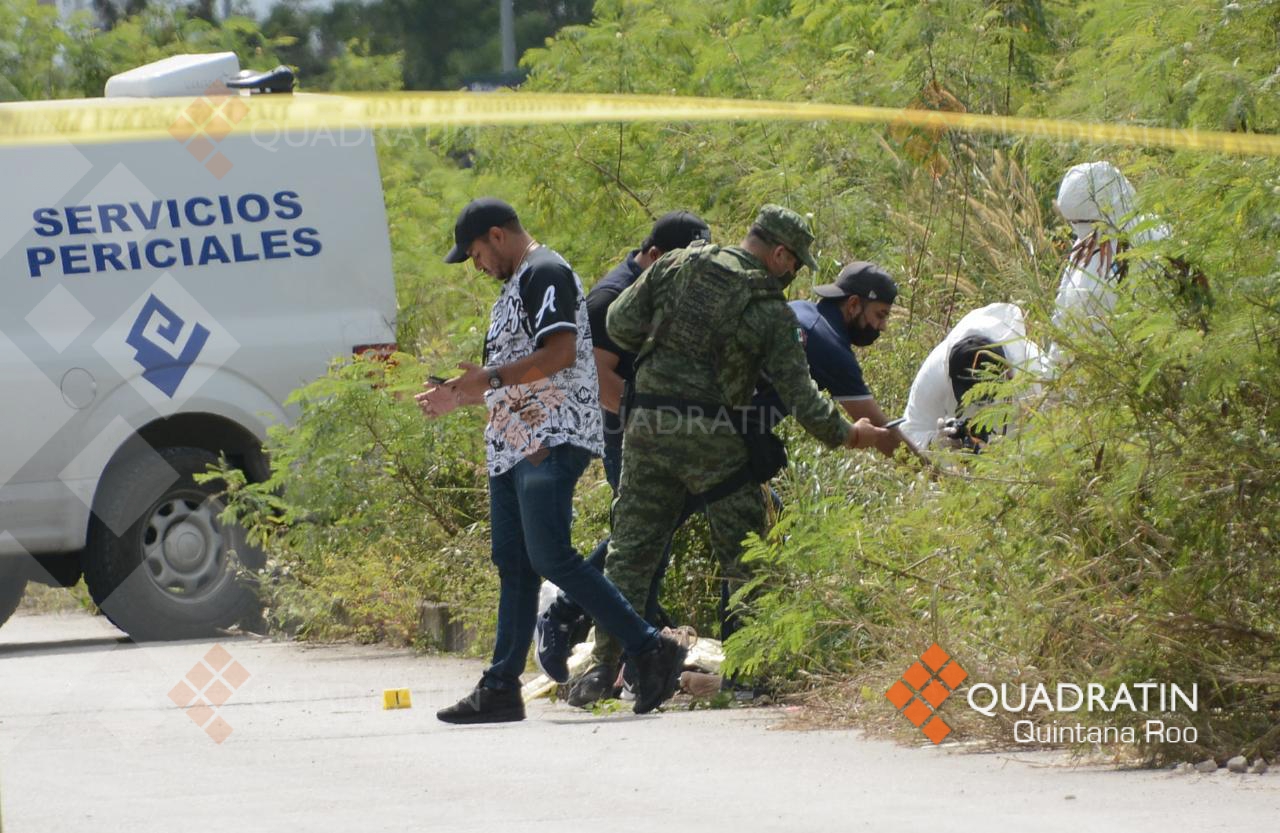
(100, 120)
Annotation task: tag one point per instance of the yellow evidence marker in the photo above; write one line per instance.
(396, 698)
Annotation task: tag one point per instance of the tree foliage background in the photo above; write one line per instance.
(1128, 533)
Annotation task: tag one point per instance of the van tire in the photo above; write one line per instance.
(11, 590)
(158, 563)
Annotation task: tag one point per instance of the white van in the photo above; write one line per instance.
(161, 299)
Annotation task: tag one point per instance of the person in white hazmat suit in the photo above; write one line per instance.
(1100, 204)
(988, 342)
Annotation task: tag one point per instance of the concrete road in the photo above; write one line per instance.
(91, 739)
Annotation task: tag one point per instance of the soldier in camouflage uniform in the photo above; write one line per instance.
(707, 321)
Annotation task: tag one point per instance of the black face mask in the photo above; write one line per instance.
(862, 334)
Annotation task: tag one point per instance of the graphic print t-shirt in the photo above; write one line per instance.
(544, 297)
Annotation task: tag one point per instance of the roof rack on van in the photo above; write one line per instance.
(192, 75)
(278, 80)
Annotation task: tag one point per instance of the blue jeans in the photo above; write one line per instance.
(564, 608)
(530, 511)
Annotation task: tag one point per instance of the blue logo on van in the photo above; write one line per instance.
(165, 366)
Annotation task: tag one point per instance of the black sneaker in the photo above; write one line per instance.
(554, 643)
(596, 684)
(485, 705)
(658, 674)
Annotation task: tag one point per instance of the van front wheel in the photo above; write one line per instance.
(159, 562)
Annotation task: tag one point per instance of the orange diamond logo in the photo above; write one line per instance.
(182, 129)
(217, 657)
(219, 730)
(218, 165)
(182, 694)
(936, 676)
(207, 687)
(200, 148)
(205, 122)
(217, 128)
(217, 693)
(200, 714)
(199, 676)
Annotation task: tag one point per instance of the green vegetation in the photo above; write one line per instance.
(1128, 533)
(443, 44)
(40, 598)
(43, 57)
(415, 45)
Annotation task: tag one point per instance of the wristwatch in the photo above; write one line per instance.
(495, 379)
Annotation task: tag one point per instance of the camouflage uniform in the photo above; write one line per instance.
(718, 321)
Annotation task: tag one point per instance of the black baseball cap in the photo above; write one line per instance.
(866, 280)
(476, 219)
(676, 230)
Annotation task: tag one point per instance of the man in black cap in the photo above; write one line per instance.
(673, 230)
(564, 623)
(852, 311)
(539, 384)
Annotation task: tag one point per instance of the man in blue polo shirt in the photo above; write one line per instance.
(852, 311)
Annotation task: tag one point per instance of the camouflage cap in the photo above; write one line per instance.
(789, 229)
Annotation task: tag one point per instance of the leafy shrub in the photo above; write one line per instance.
(1127, 532)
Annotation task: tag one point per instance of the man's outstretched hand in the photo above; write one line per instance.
(866, 434)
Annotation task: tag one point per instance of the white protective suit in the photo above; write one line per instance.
(932, 397)
(1099, 203)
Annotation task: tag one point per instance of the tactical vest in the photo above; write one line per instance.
(706, 307)
(698, 317)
